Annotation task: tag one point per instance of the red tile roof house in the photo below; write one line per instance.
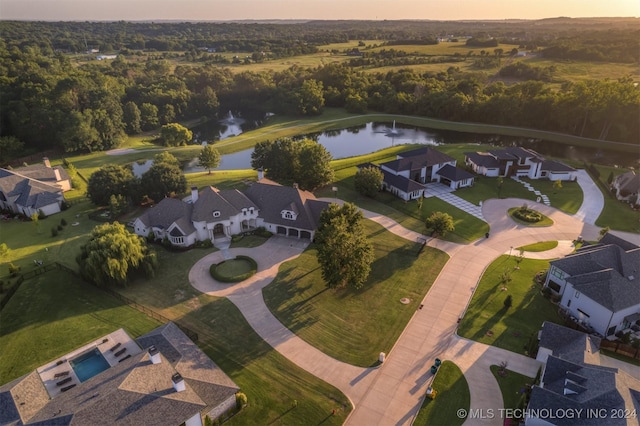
(33, 189)
(214, 214)
(519, 162)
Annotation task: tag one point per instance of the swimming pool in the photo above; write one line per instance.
(89, 364)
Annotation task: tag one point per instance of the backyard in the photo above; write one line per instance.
(354, 326)
(487, 320)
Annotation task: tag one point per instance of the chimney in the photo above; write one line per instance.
(57, 174)
(194, 194)
(154, 354)
(178, 382)
(260, 174)
(295, 185)
(46, 162)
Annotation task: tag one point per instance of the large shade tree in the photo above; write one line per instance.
(175, 134)
(107, 181)
(162, 180)
(344, 253)
(368, 181)
(440, 224)
(112, 254)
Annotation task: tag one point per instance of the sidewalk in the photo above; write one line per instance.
(592, 201)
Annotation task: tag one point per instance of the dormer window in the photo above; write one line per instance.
(288, 214)
(216, 213)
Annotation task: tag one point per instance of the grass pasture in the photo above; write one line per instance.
(453, 394)
(488, 321)
(354, 326)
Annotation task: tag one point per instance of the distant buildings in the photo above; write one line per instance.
(519, 162)
(33, 189)
(627, 187)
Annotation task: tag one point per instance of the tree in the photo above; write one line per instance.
(344, 253)
(314, 165)
(610, 178)
(148, 116)
(112, 254)
(175, 134)
(107, 181)
(167, 158)
(368, 181)
(117, 205)
(209, 158)
(162, 180)
(132, 118)
(10, 147)
(439, 224)
(508, 302)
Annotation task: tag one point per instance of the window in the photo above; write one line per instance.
(288, 215)
(569, 303)
(557, 272)
(584, 313)
(611, 330)
(216, 213)
(177, 240)
(577, 294)
(554, 286)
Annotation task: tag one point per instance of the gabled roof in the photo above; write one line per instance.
(168, 211)
(228, 203)
(28, 192)
(454, 173)
(483, 159)
(272, 198)
(595, 388)
(417, 159)
(628, 182)
(608, 289)
(400, 182)
(568, 344)
(42, 173)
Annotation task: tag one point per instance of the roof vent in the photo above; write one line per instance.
(631, 277)
(154, 354)
(178, 382)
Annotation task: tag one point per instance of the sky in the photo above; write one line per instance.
(225, 10)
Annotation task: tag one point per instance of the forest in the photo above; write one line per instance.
(50, 100)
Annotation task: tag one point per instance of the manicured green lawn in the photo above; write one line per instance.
(453, 394)
(512, 386)
(568, 198)
(538, 247)
(271, 382)
(233, 267)
(55, 313)
(354, 326)
(488, 321)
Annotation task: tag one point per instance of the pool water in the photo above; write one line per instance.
(89, 364)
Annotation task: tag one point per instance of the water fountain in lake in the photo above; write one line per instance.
(231, 120)
(393, 131)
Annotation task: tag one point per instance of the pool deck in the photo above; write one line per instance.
(60, 368)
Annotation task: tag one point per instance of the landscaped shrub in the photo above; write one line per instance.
(54, 232)
(63, 222)
(64, 205)
(60, 228)
(14, 269)
(241, 400)
(41, 215)
(203, 244)
(237, 237)
(261, 232)
(526, 214)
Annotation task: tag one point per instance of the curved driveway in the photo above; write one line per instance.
(392, 394)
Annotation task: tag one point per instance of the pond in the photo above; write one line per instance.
(374, 136)
(232, 124)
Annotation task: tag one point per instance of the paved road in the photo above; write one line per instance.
(593, 199)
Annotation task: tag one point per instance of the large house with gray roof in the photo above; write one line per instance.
(574, 389)
(599, 285)
(213, 214)
(519, 162)
(160, 378)
(407, 175)
(627, 187)
(33, 189)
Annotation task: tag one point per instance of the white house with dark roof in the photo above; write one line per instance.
(213, 214)
(599, 285)
(627, 187)
(519, 162)
(33, 189)
(574, 389)
(407, 175)
(162, 379)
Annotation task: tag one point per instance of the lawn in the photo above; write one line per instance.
(271, 382)
(512, 386)
(453, 394)
(354, 326)
(55, 313)
(538, 247)
(488, 321)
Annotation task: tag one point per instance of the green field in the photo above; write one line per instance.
(453, 394)
(55, 313)
(488, 321)
(354, 326)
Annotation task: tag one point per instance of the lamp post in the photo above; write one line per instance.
(510, 250)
